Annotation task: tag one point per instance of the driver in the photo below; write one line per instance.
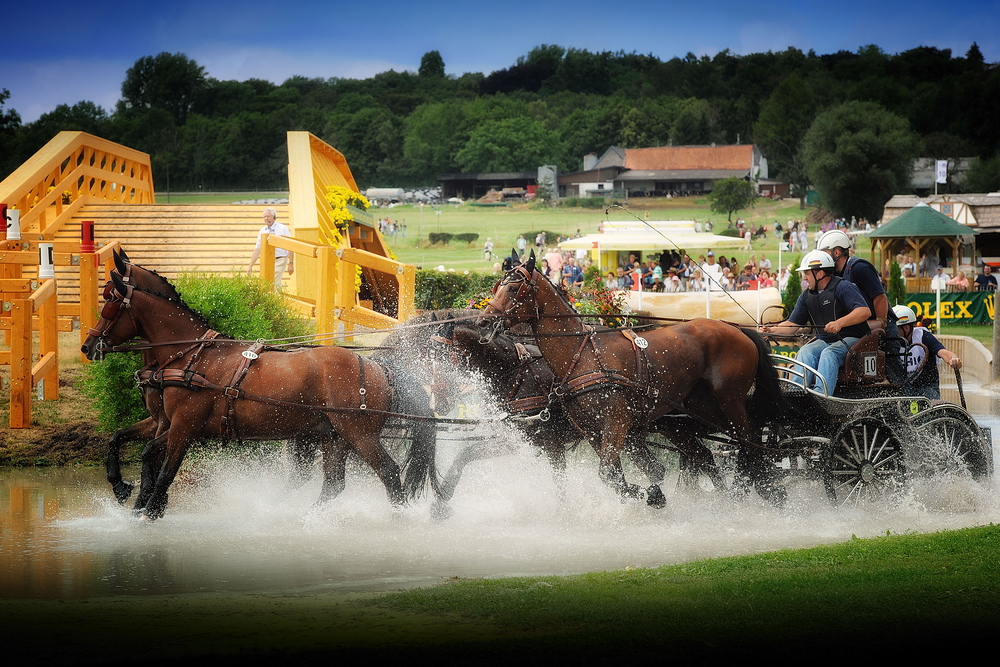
(921, 363)
(838, 311)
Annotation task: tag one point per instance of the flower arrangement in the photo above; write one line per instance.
(600, 300)
(340, 198)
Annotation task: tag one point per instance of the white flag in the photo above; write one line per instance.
(942, 171)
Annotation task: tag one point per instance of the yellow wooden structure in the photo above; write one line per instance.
(78, 177)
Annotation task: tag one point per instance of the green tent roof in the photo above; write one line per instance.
(921, 221)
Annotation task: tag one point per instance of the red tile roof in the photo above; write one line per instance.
(689, 157)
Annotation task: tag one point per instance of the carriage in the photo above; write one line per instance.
(709, 389)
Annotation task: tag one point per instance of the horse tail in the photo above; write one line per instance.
(419, 468)
(767, 403)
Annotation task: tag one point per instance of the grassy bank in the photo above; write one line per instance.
(894, 595)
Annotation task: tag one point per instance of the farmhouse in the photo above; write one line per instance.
(662, 170)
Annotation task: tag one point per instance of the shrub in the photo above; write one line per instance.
(436, 290)
(444, 238)
(468, 237)
(240, 307)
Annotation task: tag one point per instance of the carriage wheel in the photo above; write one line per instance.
(955, 442)
(865, 463)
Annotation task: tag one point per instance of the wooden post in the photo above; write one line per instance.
(266, 260)
(20, 363)
(48, 339)
(326, 299)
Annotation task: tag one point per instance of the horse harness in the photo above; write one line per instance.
(571, 386)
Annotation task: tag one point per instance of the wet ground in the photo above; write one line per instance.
(232, 527)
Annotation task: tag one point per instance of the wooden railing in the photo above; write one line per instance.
(74, 169)
(28, 298)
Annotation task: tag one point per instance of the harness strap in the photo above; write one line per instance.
(232, 391)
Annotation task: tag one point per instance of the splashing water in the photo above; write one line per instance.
(232, 525)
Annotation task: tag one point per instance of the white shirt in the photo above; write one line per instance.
(940, 282)
(275, 228)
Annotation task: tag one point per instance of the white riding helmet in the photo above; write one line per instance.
(904, 315)
(816, 259)
(834, 239)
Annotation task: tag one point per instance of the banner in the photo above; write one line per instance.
(942, 171)
(956, 307)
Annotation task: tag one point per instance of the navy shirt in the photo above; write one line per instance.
(848, 299)
(865, 276)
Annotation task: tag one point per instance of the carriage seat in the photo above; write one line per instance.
(865, 362)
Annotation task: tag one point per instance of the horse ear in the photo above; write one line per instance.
(515, 256)
(121, 262)
(530, 264)
(120, 287)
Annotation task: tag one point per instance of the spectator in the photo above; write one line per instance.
(959, 283)
(939, 283)
(986, 281)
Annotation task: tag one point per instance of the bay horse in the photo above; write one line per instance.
(615, 385)
(520, 383)
(327, 393)
(302, 448)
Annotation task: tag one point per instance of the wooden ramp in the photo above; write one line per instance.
(172, 239)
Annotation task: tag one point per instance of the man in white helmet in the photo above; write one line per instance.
(922, 377)
(863, 273)
(838, 313)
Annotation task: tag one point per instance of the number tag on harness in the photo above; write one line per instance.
(641, 342)
(250, 354)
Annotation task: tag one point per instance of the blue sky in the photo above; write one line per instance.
(61, 53)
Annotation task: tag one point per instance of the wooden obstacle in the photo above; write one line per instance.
(77, 179)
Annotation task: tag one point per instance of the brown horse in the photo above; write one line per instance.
(218, 388)
(302, 449)
(615, 384)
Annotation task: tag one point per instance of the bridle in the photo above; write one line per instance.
(115, 306)
(525, 287)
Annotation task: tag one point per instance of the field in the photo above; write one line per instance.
(504, 224)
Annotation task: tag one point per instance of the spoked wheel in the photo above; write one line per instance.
(865, 464)
(950, 442)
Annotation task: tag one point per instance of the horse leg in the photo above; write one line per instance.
(481, 450)
(366, 443)
(178, 439)
(152, 459)
(610, 467)
(753, 466)
(651, 466)
(301, 452)
(335, 452)
(144, 430)
(554, 446)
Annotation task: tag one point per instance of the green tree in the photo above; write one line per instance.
(783, 122)
(431, 65)
(169, 81)
(983, 176)
(897, 286)
(511, 144)
(732, 194)
(859, 155)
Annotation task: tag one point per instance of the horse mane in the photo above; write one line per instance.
(183, 306)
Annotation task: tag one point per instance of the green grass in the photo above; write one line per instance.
(897, 595)
(504, 225)
(216, 197)
(981, 332)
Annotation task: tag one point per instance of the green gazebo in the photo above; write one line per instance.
(919, 228)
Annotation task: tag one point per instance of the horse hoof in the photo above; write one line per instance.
(122, 491)
(440, 510)
(631, 492)
(655, 497)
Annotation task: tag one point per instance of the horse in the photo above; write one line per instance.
(302, 450)
(209, 392)
(615, 384)
(519, 382)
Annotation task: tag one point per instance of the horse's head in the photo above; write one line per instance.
(144, 279)
(116, 324)
(515, 297)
